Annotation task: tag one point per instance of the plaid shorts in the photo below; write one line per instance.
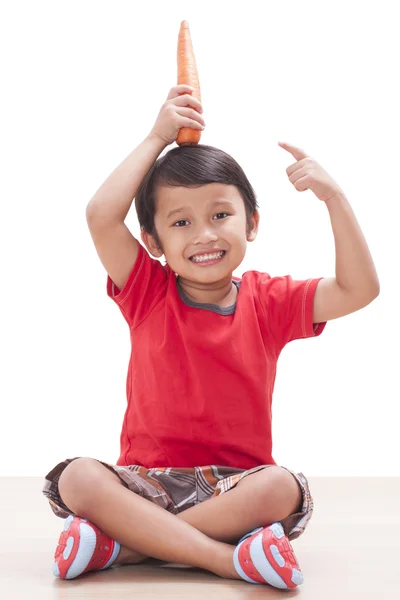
(177, 489)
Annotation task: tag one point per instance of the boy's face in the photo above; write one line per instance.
(199, 221)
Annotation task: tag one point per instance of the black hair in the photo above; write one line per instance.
(191, 166)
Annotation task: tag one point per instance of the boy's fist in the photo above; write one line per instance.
(179, 110)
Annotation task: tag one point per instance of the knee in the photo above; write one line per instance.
(77, 482)
(280, 494)
(289, 494)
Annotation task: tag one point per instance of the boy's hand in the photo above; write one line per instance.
(179, 110)
(307, 174)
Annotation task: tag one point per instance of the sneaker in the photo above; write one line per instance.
(266, 556)
(82, 547)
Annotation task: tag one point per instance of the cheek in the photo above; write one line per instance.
(175, 239)
(175, 242)
(236, 230)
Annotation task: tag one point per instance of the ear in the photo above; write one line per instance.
(151, 244)
(255, 220)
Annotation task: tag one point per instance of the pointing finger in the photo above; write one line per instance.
(297, 153)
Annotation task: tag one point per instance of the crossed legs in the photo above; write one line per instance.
(203, 536)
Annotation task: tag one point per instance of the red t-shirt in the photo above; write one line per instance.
(199, 385)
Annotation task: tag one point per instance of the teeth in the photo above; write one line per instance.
(205, 257)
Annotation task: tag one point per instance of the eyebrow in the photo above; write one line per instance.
(184, 208)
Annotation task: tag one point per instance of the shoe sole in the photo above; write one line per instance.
(76, 545)
(272, 556)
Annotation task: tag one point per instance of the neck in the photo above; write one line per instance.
(222, 292)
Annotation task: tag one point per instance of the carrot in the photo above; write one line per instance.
(188, 75)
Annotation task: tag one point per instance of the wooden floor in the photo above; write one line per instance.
(351, 549)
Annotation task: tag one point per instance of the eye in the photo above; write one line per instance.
(182, 221)
(222, 213)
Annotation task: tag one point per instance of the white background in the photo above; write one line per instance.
(83, 83)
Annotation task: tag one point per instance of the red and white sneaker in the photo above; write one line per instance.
(82, 547)
(266, 556)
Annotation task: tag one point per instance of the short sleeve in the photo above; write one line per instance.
(146, 286)
(288, 307)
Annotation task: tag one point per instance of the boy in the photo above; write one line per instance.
(202, 369)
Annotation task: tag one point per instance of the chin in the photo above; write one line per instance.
(208, 277)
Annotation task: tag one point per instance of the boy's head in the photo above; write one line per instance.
(197, 200)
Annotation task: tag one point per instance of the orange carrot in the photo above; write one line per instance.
(188, 75)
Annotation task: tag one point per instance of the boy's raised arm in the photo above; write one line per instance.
(107, 210)
(112, 201)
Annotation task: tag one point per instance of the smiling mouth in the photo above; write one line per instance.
(208, 258)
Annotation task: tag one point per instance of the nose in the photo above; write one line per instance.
(205, 234)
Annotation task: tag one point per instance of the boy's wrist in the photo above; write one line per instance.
(157, 141)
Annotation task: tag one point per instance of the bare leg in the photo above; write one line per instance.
(90, 490)
(260, 499)
(265, 497)
(144, 529)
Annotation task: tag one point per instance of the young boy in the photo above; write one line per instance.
(204, 351)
